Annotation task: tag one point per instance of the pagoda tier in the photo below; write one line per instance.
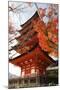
(29, 35)
(28, 24)
(35, 60)
(34, 17)
(25, 29)
(28, 45)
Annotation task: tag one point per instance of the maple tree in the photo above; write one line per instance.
(47, 35)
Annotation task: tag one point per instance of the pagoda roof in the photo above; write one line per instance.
(37, 55)
(28, 23)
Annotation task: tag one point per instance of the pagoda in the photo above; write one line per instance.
(32, 60)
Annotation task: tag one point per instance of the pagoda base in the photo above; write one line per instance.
(33, 81)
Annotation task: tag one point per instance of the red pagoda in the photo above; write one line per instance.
(33, 60)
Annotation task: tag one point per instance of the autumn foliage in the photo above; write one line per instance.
(47, 35)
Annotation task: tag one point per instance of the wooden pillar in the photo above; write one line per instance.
(29, 81)
(22, 71)
(23, 82)
(45, 77)
(37, 81)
